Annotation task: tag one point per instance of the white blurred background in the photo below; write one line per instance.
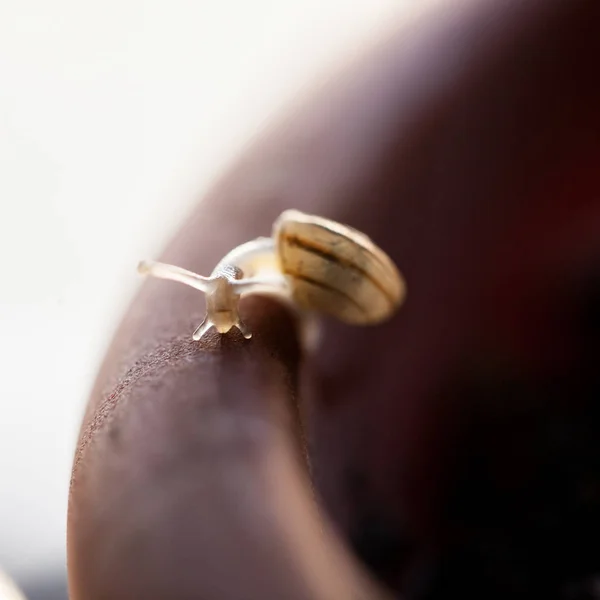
(114, 117)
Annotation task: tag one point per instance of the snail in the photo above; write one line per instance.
(314, 264)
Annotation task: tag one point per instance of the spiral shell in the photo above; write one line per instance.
(334, 269)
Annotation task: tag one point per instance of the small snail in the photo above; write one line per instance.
(315, 264)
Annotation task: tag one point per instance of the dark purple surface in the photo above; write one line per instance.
(455, 448)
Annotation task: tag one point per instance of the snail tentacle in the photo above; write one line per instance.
(173, 273)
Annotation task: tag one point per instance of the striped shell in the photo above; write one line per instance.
(334, 269)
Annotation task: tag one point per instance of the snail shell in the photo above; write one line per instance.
(337, 270)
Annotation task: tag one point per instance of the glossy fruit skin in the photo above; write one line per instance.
(455, 447)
